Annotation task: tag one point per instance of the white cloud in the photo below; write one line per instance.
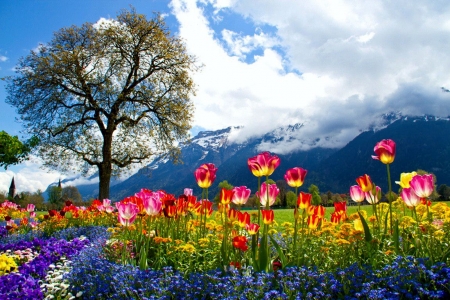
(356, 59)
(28, 177)
(3, 58)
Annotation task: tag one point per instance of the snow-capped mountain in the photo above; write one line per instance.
(421, 144)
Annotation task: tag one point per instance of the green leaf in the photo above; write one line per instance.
(367, 234)
(263, 257)
(396, 238)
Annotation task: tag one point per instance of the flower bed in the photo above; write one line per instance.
(153, 245)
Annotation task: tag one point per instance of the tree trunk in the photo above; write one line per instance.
(105, 167)
(104, 171)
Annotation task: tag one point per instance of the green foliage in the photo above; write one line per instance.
(314, 191)
(444, 192)
(71, 193)
(106, 97)
(13, 151)
(291, 199)
(55, 195)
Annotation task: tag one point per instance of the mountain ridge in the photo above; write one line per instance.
(333, 169)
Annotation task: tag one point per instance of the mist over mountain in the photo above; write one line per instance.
(422, 143)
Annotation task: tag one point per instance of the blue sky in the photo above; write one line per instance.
(333, 65)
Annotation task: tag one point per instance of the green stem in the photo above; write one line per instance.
(295, 222)
(390, 196)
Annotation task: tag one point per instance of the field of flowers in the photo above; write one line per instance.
(154, 245)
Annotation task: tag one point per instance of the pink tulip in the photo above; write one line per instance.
(422, 185)
(241, 195)
(273, 193)
(106, 202)
(385, 151)
(371, 198)
(409, 197)
(143, 194)
(33, 214)
(127, 212)
(295, 177)
(188, 192)
(30, 207)
(357, 194)
(153, 205)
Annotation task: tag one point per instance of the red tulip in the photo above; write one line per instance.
(385, 151)
(240, 242)
(226, 196)
(295, 177)
(263, 164)
(205, 175)
(268, 216)
(243, 219)
(252, 228)
(335, 218)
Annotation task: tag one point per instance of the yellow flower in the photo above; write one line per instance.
(188, 248)
(7, 264)
(439, 234)
(421, 210)
(272, 231)
(358, 225)
(286, 224)
(405, 179)
(407, 221)
(354, 216)
(341, 242)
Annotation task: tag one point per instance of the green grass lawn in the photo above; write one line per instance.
(287, 215)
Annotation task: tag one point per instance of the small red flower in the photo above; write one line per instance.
(240, 242)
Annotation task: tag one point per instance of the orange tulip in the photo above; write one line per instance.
(304, 200)
(365, 183)
(313, 221)
(232, 215)
(335, 218)
(317, 210)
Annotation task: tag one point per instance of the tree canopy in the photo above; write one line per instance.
(106, 95)
(13, 151)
